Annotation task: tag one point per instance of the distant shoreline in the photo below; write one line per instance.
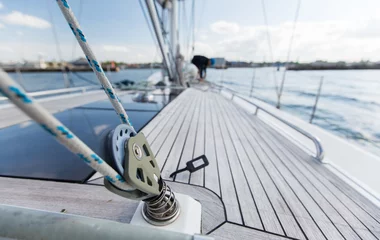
(319, 68)
(289, 68)
(72, 69)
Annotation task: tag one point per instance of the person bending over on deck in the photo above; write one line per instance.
(202, 63)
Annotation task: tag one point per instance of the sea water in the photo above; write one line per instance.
(349, 104)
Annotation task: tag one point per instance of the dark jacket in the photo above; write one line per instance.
(201, 62)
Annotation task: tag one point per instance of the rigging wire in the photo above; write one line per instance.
(253, 74)
(185, 27)
(269, 44)
(149, 25)
(192, 28)
(198, 23)
(66, 79)
(189, 28)
(164, 32)
(151, 32)
(79, 18)
(289, 51)
(84, 78)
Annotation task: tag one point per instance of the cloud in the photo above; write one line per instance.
(2, 26)
(19, 33)
(203, 49)
(1, 5)
(18, 18)
(115, 48)
(325, 40)
(30, 51)
(223, 27)
(6, 49)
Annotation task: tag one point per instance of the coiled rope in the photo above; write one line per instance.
(92, 61)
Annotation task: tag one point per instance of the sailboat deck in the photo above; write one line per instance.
(266, 183)
(258, 184)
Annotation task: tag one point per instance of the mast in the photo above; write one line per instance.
(174, 41)
(174, 28)
(160, 39)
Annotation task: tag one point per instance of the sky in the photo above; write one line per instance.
(330, 30)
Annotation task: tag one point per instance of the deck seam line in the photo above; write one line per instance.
(293, 151)
(241, 166)
(163, 142)
(177, 134)
(229, 165)
(259, 136)
(258, 177)
(204, 141)
(297, 157)
(319, 191)
(260, 230)
(170, 105)
(274, 183)
(216, 155)
(167, 118)
(184, 144)
(196, 135)
(292, 174)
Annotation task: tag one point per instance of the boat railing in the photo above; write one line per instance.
(58, 91)
(318, 146)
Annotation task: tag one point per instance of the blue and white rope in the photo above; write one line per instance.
(27, 104)
(93, 62)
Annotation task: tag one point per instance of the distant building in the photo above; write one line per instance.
(220, 63)
(322, 64)
(238, 64)
(41, 62)
(80, 62)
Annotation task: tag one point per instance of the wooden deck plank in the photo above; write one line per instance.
(256, 169)
(251, 216)
(172, 160)
(352, 212)
(80, 199)
(176, 106)
(297, 209)
(230, 231)
(212, 171)
(290, 220)
(267, 214)
(188, 149)
(286, 216)
(197, 178)
(168, 140)
(317, 206)
(315, 211)
(338, 213)
(96, 201)
(266, 208)
(161, 145)
(162, 117)
(228, 192)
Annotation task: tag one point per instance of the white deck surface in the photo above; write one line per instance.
(270, 188)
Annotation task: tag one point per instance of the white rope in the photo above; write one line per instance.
(27, 104)
(93, 62)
